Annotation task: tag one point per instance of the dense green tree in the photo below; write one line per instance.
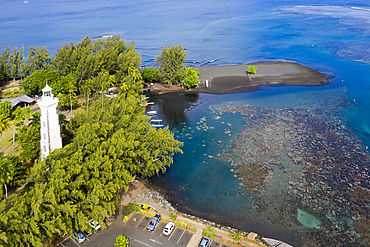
(6, 108)
(65, 59)
(38, 58)
(111, 54)
(150, 75)
(191, 78)
(29, 138)
(171, 61)
(109, 147)
(4, 64)
(15, 62)
(86, 60)
(7, 173)
(20, 115)
(126, 58)
(33, 84)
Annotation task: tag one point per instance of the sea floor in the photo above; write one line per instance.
(294, 173)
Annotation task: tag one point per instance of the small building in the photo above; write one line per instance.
(49, 120)
(22, 100)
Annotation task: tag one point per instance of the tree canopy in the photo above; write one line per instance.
(150, 75)
(80, 181)
(191, 78)
(107, 146)
(171, 62)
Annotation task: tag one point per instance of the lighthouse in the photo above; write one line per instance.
(50, 128)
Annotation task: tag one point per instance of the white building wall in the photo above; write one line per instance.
(50, 129)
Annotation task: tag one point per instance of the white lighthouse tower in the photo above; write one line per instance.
(50, 128)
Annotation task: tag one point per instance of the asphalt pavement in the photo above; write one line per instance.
(135, 230)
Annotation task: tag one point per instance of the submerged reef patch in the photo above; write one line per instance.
(303, 163)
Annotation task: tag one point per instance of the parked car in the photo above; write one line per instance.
(168, 228)
(154, 222)
(94, 224)
(79, 237)
(204, 242)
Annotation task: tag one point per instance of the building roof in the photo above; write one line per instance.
(20, 99)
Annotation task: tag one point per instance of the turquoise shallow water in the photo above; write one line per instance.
(332, 37)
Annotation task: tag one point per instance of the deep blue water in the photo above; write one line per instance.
(331, 37)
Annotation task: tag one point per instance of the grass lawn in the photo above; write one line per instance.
(7, 138)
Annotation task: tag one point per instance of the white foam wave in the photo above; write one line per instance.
(351, 16)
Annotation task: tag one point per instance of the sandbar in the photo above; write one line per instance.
(235, 79)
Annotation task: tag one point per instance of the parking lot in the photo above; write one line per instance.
(69, 242)
(139, 222)
(215, 243)
(139, 236)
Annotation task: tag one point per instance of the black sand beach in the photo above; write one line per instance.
(235, 79)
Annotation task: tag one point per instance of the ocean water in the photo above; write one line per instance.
(331, 37)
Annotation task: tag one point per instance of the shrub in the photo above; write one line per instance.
(181, 224)
(6, 108)
(8, 92)
(150, 75)
(191, 78)
(173, 216)
(121, 241)
(252, 69)
(236, 236)
(15, 91)
(136, 208)
(208, 233)
(128, 209)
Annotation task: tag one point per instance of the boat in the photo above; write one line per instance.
(156, 120)
(146, 104)
(152, 113)
(157, 125)
(25, 1)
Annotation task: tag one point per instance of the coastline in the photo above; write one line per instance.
(143, 192)
(234, 79)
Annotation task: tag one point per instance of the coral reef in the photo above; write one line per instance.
(289, 158)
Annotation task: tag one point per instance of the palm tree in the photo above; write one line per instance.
(7, 173)
(134, 73)
(72, 90)
(105, 85)
(4, 125)
(88, 84)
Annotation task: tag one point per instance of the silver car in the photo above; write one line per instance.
(204, 242)
(154, 222)
(79, 237)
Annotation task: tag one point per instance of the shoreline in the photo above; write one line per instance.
(234, 79)
(143, 192)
